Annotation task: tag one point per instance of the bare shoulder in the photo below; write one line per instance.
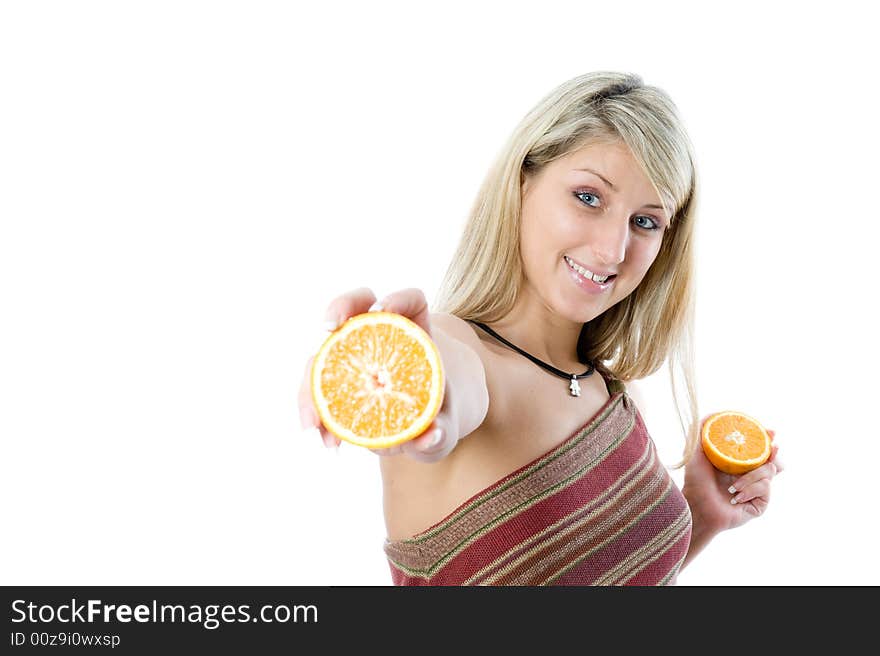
(459, 329)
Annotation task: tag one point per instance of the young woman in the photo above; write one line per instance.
(573, 278)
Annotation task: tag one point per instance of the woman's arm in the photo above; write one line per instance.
(720, 501)
(466, 396)
(707, 491)
(465, 374)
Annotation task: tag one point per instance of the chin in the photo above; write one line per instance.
(584, 314)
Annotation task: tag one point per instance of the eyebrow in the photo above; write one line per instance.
(608, 182)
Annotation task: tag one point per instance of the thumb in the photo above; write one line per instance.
(435, 443)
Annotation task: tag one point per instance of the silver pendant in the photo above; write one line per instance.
(574, 387)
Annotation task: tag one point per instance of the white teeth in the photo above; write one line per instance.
(585, 273)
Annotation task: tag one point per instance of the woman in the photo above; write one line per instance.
(573, 278)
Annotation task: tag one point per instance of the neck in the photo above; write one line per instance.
(544, 335)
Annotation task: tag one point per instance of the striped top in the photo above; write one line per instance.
(598, 509)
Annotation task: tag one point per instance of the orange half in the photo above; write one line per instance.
(377, 380)
(734, 442)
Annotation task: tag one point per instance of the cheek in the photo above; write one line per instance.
(543, 236)
(530, 250)
(642, 256)
(641, 260)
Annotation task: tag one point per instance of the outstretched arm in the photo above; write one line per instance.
(466, 399)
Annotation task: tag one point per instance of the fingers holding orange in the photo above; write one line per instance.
(750, 489)
(753, 487)
(347, 305)
(753, 492)
(377, 381)
(774, 458)
(375, 376)
(308, 415)
(411, 303)
(328, 438)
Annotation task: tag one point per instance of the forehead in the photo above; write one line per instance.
(614, 164)
(610, 158)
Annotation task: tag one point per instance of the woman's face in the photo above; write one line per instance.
(577, 227)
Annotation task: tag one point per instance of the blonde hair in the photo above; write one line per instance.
(654, 323)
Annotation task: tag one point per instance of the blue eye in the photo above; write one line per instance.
(652, 224)
(586, 193)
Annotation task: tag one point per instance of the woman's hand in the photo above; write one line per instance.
(709, 495)
(440, 436)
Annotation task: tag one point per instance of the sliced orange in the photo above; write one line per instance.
(734, 442)
(377, 380)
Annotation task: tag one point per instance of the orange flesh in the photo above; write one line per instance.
(736, 439)
(378, 381)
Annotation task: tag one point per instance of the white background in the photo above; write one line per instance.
(184, 186)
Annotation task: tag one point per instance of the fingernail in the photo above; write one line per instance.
(731, 489)
(376, 307)
(330, 442)
(733, 501)
(330, 325)
(436, 436)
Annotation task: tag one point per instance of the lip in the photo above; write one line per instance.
(588, 285)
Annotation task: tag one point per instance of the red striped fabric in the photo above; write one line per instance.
(598, 509)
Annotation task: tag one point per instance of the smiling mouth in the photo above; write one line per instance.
(586, 273)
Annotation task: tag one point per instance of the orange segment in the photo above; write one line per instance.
(377, 380)
(734, 442)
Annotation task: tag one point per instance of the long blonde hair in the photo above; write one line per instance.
(654, 323)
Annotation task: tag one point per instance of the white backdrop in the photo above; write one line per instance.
(184, 186)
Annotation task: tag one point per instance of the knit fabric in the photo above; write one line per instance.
(598, 509)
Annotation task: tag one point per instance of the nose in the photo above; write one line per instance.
(610, 239)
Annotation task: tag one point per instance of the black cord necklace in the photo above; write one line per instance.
(574, 387)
